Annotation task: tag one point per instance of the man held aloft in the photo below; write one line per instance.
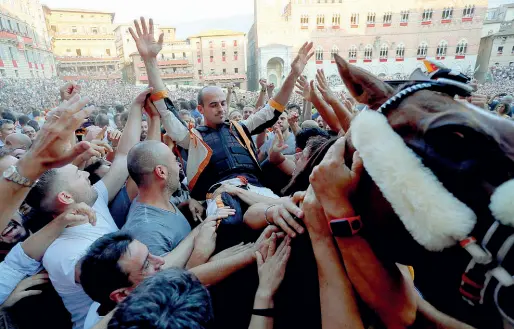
(220, 151)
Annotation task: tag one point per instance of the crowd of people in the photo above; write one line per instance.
(132, 207)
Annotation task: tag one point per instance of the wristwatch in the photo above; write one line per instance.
(346, 227)
(12, 174)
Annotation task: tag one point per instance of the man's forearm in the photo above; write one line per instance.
(251, 198)
(154, 76)
(214, 272)
(338, 305)
(285, 92)
(261, 100)
(262, 301)
(179, 256)
(27, 167)
(307, 110)
(37, 244)
(384, 290)
(343, 115)
(154, 129)
(132, 132)
(295, 128)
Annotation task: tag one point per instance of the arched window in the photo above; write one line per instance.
(352, 53)
(334, 51)
(368, 52)
(400, 51)
(422, 50)
(319, 54)
(462, 48)
(469, 11)
(447, 13)
(384, 50)
(442, 48)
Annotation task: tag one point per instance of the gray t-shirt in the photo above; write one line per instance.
(290, 141)
(160, 230)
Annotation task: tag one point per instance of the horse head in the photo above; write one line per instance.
(439, 171)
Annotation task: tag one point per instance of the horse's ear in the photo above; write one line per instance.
(364, 87)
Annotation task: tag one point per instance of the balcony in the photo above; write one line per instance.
(81, 59)
(168, 62)
(90, 77)
(170, 76)
(221, 77)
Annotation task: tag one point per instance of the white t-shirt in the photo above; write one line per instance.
(92, 317)
(64, 253)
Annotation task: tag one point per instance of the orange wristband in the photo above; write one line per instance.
(276, 105)
(159, 95)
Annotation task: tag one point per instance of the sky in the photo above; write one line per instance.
(188, 16)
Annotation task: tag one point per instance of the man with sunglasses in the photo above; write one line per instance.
(6, 128)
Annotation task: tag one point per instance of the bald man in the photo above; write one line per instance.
(152, 218)
(18, 141)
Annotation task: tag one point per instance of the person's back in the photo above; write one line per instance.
(161, 230)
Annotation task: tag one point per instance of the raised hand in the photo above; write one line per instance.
(196, 209)
(334, 182)
(205, 241)
(69, 90)
(292, 118)
(146, 44)
(76, 214)
(52, 147)
(304, 89)
(270, 88)
(263, 83)
(141, 98)
(21, 291)
(272, 267)
(323, 87)
(279, 215)
(301, 60)
(114, 136)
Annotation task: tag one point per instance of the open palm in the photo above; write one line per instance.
(304, 54)
(146, 44)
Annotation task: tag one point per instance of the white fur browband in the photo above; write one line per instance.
(434, 217)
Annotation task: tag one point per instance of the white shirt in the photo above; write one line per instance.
(15, 267)
(63, 254)
(92, 317)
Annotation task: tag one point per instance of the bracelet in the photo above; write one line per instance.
(159, 95)
(266, 214)
(267, 312)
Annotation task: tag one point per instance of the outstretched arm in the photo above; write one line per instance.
(149, 48)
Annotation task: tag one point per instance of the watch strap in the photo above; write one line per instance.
(267, 312)
(346, 227)
(17, 178)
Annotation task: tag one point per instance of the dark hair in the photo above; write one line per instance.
(36, 113)
(9, 116)
(5, 122)
(100, 273)
(171, 299)
(93, 177)
(34, 124)
(193, 105)
(200, 95)
(120, 108)
(102, 120)
(300, 180)
(37, 195)
(184, 105)
(23, 120)
(293, 106)
(124, 117)
(303, 136)
(103, 111)
(240, 106)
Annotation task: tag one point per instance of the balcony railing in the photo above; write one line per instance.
(169, 76)
(169, 62)
(86, 59)
(217, 77)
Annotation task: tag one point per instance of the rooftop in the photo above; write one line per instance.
(216, 33)
(77, 10)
